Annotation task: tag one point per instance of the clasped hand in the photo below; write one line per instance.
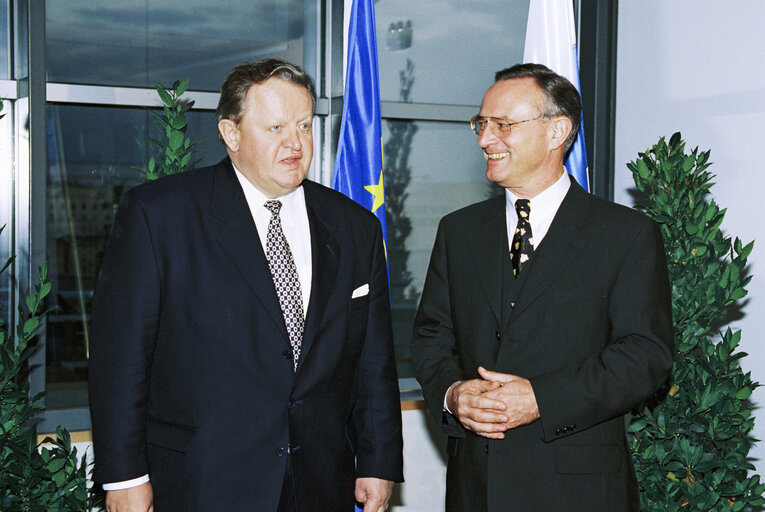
(493, 404)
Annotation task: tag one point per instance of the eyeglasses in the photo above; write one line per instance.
(500, 126)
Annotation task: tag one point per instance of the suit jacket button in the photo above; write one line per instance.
(291, 404)
(558, 431)
(571, 428)
(486, 449)
(512, 304)
(498, 335)
(287, 355)
(281, 451)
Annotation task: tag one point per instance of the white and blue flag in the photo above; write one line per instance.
(551, 40)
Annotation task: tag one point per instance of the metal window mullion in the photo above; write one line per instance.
(427, 111)
(31, 160)
(122, 96)
(331, 85)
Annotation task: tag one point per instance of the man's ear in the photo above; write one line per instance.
(561, 128)
(229, 132)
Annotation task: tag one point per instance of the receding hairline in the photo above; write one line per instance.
(241, 78)
(255, 85)
(542, 97)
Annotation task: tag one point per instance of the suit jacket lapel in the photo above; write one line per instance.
(488, 250)
(560, 246)
(239, 239)
(325, 256)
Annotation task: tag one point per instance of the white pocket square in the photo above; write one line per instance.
(360, 291)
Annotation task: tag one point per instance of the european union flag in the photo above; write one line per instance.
(358, 165)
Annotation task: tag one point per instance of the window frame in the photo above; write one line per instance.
(28, 93)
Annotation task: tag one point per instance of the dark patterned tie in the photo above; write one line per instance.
(286, 281)
(522, 247)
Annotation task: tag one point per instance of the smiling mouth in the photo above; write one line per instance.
(497, 156)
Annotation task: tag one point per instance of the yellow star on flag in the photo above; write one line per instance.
(377, 192)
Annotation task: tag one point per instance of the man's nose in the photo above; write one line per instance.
(487, 137)
(292, 139)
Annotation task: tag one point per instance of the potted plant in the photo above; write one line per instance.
(690, 446)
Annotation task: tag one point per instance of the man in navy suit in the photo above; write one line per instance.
(242, 351)
(539, 329)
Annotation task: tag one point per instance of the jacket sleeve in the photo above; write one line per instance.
(124, 323)
(436, 364)
(377, 410)
(637, 358)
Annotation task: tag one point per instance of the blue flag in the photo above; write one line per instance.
(551, 40)
(358, 164)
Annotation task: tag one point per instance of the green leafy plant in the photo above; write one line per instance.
(33, 477)
(691, 449)
(176, 150)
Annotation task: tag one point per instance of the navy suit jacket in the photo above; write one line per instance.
(590, 327)
(191, 378)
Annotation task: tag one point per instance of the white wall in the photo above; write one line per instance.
(424, 465)
(698, 67)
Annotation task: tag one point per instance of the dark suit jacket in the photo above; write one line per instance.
(191, 376)
(591, 328)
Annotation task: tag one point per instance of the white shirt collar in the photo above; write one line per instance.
(254, 196)
(295, 225)
(543, 207)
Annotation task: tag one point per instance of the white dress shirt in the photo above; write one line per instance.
(543, 208)
(294, 217)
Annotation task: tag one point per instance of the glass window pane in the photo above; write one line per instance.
(5, 41)
(455, 46)
(92, 152)
(431, 169)
(138, 43)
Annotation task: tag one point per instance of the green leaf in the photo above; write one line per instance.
(699, 250)
(59, 478)
(164, 96)
(642, 169)
(637, 425)
(175, 139)
(178, 122)
(56, 465)
(181, 87)
(31, 301)
(724, 279)
(7, 262)
(31, 326)
(738, 293)
(744, 253)
(45, 289)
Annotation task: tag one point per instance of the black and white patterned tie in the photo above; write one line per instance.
(522, 246)
(286, 281)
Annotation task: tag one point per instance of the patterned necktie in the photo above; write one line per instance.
(522, 246)
(286, 281)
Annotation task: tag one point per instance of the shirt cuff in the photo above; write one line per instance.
(126, 484)
(446, 408)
